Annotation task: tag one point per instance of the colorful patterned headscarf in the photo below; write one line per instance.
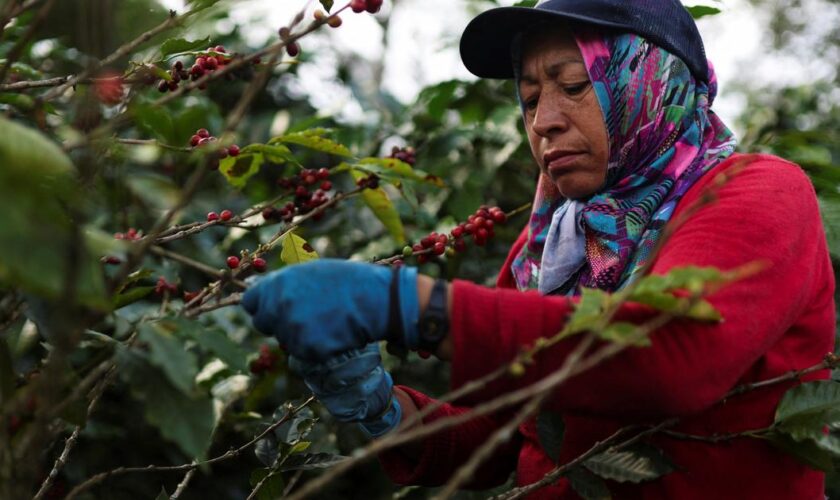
(663, 137)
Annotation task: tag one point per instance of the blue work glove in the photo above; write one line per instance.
(354, 387)
(324, 307)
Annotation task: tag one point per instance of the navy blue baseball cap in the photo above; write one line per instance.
(486, 42)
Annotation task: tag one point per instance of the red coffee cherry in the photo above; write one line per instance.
(326, 186)
(212, 216)
(226, 215)
(358, 5)
(233, 150)
(293, 49)
(439, 248)
(203, 133)
(259, 264)
(233, 262)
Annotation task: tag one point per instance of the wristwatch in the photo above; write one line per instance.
(434, 323)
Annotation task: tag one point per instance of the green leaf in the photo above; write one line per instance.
(807, 452)
(313, 139)
(703, 310)
(310, 461)
(622, 332)
(154, 122)
(635, 464)
(550, 431)
(275, 154)
(237, 170)
(295, 429)
(22, 102)
(818, 398)
(807, 409)
(300, 447)
(272, 488)
(699, 11)
(379, 202)
(155, 190)
(187, 421)
(327, 4)
(216, 341)
(589, 310)
(394, 171)
(177, 45)
(167, 352)
(267, 450)
(163, 495)
(588, 485)
(41, 247)
(131, 296)
(296, 250)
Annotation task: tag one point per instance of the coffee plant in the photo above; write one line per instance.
(144, 184)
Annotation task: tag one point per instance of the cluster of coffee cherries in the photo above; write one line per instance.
(305, 200)
(207, 62)
(369, 182)
(202, 136)
(130, 235)
(292, 47)
(333, 21)
(403, 154)
(480, 226)
(224, 216)
(266, 361)
(371, 6)
(258, 264)
(164, 286)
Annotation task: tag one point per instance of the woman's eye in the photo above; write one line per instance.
(576, 89)
(531, 104)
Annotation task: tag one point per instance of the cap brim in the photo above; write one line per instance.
(485, 44)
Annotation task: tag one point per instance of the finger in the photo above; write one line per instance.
(251, 300)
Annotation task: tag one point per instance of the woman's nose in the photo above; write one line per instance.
(550, 116)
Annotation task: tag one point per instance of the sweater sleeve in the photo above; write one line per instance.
(442, 453)
(767, 213)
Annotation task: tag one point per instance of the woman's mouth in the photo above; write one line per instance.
(557, 162)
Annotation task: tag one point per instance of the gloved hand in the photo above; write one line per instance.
(354, 387)
(325, 307)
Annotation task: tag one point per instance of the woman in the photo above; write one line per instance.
(616, 100)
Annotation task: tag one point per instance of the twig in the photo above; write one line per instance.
(152, 142)
(52, 82)
(98, 478)
(598, 447)
(70, 443)
(122, 51)
(499, 437)
(451, 242)
(230, 300)
(547, 383)
(182, 486)
(830, 361)
(210, 291)
(33, 84)
(13, 13)
(183, 259)
(59, 464)
(18, 48)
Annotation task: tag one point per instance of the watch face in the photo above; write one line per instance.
(432, 329)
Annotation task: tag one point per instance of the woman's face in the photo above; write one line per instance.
(563, 119)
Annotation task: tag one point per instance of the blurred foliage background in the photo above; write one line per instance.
(466, 132)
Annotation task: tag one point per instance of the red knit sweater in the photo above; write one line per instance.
(779, 320)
